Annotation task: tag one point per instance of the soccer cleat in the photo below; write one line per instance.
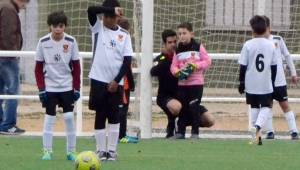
(169, 135)
(294, 136)
(170, 129)
(47, 154)
(270, 135)
(102, 155)
(111, 156)
(256, 135)
(129, 139)
(179, 136)
(194, 136)
(71, 156)
(259, 142)
(253, 132)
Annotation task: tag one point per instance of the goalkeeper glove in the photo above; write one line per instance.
(190, 68)
(76, 95)
(43, 97)
(182, 75)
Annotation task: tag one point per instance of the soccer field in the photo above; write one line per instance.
(24, 153)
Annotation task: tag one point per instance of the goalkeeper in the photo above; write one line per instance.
(167, 83)
(189, 64)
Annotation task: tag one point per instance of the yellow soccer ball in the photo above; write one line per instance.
(87, 160)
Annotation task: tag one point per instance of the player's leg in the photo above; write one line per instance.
(183, 114)
(265, 101)
(98, 103)
(174, 108)
(123, 119)
(195, 109)
(290, 118)
(67, 103)
(49, 122)
(100, 134)
(114, 100)
(288, 113)
(171, 107)
(255, 106)
(278, 96)
(254, 111)
(206, 118)
(268, 128)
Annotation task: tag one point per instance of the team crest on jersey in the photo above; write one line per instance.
(113, 43)
(276, 45)
(57, 57)
(120, 37)
(66, 48)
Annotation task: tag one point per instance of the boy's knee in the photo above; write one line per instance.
(285, 106)
(207, 120)
(174, 106)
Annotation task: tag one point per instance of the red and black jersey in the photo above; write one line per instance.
(167, 82)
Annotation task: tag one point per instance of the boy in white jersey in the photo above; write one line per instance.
(257, 74)
(57, 73)
(112, 52)
(280, 89)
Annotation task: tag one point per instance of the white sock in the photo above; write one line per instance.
(70, 131)
(269, 124)
(263, 115)
(49, 122)
(113, 136)
(254, 114)
(290, 118)
(100, 136)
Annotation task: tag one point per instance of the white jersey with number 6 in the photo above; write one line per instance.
(258, 54)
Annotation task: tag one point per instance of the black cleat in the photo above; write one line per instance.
(294, 136)
(259, 142)
(102, 155)
(270, 135)
(194, 136)
(112, 156)
(179, 136)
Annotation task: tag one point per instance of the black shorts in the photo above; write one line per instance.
(186, 94)
(102, 100)
(60, 99)
(280, 94)
(259, 100)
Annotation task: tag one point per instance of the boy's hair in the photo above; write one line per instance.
(124, 23)
(258, 24)
(267, 20)
(167, 33)
(111, 4)
(58, 17)
(186, 25)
